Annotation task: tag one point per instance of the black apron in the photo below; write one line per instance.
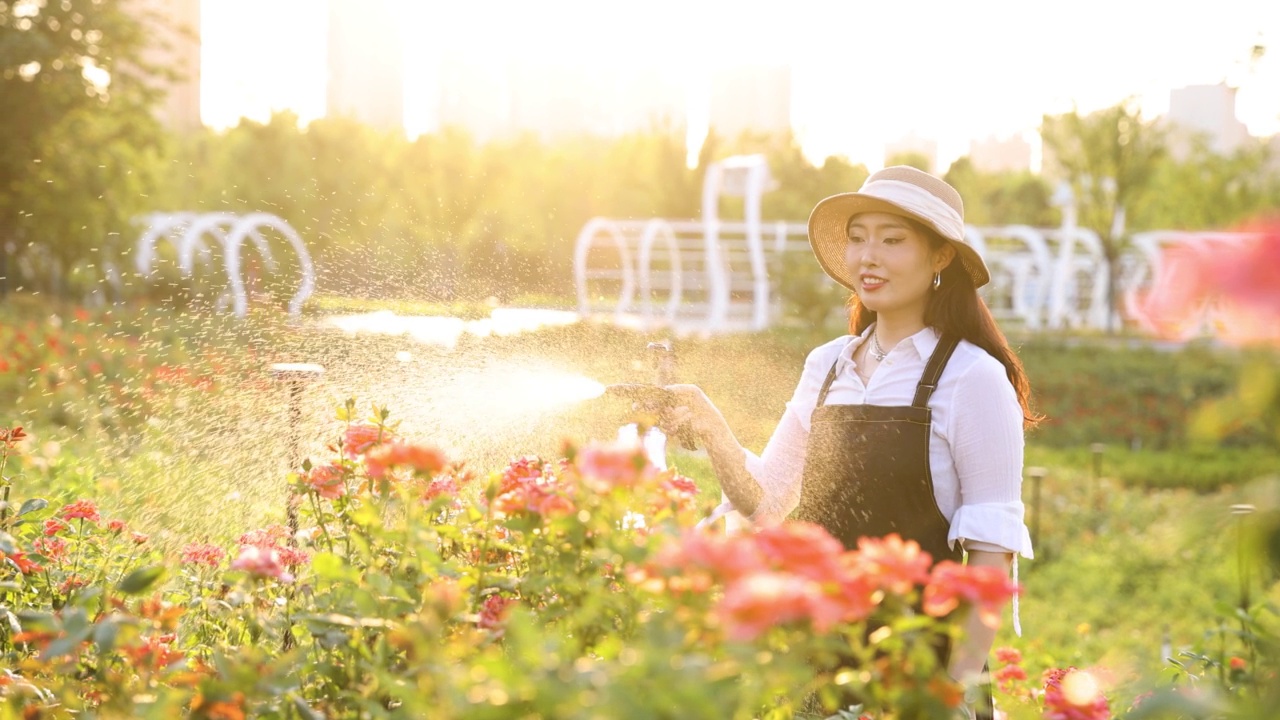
(866, 473)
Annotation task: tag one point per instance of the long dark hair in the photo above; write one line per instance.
(955, 308)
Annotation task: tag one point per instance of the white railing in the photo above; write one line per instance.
(681, 274)
(718, 279)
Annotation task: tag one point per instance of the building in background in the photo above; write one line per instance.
(366, 63)
(175, 25)
(475, 97)
(911, 147)
(554, 100)
(1207, 112)
(1000, 155)
(647, 98)
(750, 98)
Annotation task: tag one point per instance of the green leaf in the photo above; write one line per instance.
(304, 709)
(328, 566)
(66, 644)
(32, 505)
(332, 619)
(104, 635)
(140, 580)
(36, 618)
(336, 620)
(8, 545)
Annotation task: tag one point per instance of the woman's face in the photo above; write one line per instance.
(892, 264)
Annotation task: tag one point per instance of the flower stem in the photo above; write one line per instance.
(75, 567)
(324, 527)
(4, 461)
(484, 551)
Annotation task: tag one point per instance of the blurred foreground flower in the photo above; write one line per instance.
(1071, 694)
(614, 464)
(262, 562)
(202, 554)
(20, 561)
(423, 459)
(798, 572)
(987, 589)
(1233, 287)
(328, 481)
(9, 438)
(81, 510)
(361, 438)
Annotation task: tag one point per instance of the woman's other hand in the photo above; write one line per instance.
(689, 410)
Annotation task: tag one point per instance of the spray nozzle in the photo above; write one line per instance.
(663, 361)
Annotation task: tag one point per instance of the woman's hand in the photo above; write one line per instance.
(691, 410)
(690, 417)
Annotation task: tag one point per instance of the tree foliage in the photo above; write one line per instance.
(1206, 190)
(83, 158)
(80, 144)
(1005, 198)
(1109, 157)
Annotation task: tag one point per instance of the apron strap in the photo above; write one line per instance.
(929, 381)
(831, 376)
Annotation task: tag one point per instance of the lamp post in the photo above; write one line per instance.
(1095, 478)
(1037, 475)
(295, 376)
(1240, 511)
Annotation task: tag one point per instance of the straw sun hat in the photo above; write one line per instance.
(899, 190)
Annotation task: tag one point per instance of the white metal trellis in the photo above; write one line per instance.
(716, 273)
(189, 233)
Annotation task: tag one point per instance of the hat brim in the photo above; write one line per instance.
(828, 236)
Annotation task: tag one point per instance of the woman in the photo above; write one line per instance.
(913, 423)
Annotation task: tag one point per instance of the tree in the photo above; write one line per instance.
(1206, 190)
(798, 184)
(1109, 157)
(1001, 198)
(911, 158)
(78, 142)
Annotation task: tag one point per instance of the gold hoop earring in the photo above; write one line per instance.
(937, 280)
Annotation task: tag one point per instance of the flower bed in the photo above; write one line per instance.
(414, 586)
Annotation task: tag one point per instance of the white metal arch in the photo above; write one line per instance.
(1067, 278)
(655, 230)
(757, 171)
(1028, 297)
(582, 247)
(214, 224)
(159, 226)
(229, 231)
(247, 226)
(717, 273)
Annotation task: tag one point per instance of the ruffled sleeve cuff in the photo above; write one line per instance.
(993, 527)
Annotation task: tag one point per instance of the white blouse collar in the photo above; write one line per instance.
(924, 343)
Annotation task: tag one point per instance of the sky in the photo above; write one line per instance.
(863, 73)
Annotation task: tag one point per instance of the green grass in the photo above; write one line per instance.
(1200, 468)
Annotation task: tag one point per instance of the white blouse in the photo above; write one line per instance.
(975, 448)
